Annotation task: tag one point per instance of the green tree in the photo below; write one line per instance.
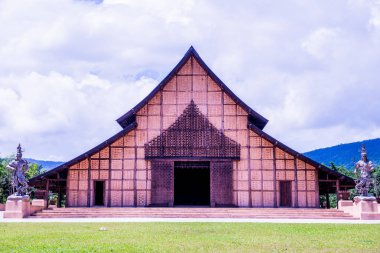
(376, 175)
(34, 170)
(5, 181)
(342, 170)
(5, 177)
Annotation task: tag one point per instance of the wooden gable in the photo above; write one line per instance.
(190, 80)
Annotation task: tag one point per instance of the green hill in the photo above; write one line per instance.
(346, 154)
(46, 165)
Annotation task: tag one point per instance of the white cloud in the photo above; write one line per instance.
(68, 69)
(375, 15)
(320, 43)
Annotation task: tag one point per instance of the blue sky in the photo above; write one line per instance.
(68, 69)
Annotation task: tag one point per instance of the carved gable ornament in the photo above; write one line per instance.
(192, 136)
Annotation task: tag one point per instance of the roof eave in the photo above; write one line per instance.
(297, 154)
(85, 155)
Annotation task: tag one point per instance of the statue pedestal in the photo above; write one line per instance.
(364, 208)
(346, 206)
(17, 207)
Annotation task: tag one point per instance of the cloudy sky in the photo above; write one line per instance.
(69, 69)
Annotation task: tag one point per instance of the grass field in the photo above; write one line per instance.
(188, 237)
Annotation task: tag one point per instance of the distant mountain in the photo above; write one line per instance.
(46, 165)
(346, 154)
(343, 154)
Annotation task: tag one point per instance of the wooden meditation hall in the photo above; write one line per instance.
(192, 142)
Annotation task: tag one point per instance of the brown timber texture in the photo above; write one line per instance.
(134, 178)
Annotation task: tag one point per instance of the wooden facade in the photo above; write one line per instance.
(192, 126)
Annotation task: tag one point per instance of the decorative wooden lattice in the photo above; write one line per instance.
(162, 183)
(222, 183)
(192, 135)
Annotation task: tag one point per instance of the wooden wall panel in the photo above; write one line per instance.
(116, 164)
(200, 83)
(256, 164)
(186, 68)
(268, 199)
(257, 200)
(154, 110)
(104, 153)
(94, 164)
(154, 101)
(215, 110)
(170, 86)
(169, 97)
(183, 97)
(200, 98)
(184, 83)
(95, 174)
(243, 199)
(116, 198)
(214, 98)
(128, 198)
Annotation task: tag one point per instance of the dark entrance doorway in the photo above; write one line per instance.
(286, 193)
(192, 183)
(99, 193)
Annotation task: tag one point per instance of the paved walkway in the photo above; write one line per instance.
(232, 220)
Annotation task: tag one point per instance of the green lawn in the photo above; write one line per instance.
(188, 237)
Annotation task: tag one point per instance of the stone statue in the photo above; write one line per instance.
(365, 180)
(18, 167)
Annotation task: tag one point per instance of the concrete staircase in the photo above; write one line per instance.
(192, 212)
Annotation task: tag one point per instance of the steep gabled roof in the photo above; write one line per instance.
(254, 117)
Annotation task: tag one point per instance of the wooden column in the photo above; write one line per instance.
(274, 177)
(249, 171)
(261, 170)
(89, 182)
(327, 199)
(109, 177)
(122, 172)
(212, 193)
(337, 184)
(47, 193)
(58, 182)
(67, 203)
(317, 200)
(171, 198)
(135, 174)
(59, 199)
(295, 183)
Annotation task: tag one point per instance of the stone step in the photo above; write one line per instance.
(200, 216)
(215, 210)
(180, 211)
(268, 213)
